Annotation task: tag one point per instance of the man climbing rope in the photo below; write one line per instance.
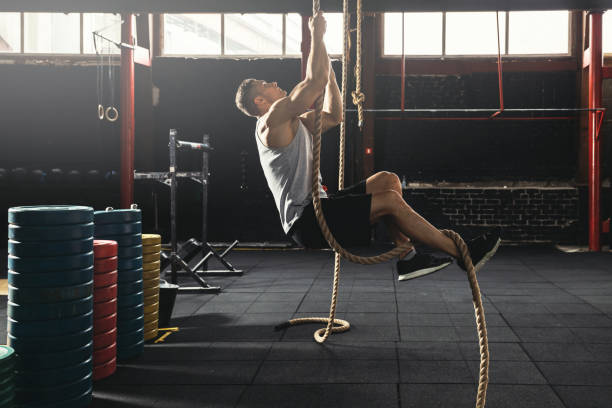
(284, 139)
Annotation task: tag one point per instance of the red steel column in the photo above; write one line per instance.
(127, 113)
(595, 45)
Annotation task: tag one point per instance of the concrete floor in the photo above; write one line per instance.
(411, 344)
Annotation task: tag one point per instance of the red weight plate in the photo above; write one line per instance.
(105, 279)
(104, 370)
(105, 339)
(103, 265)
(105, 324)
(104, 355)
(105, 293)
(105, 248)
(106, 308)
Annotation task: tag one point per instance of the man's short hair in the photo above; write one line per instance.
(245, 96)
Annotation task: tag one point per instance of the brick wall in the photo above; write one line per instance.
(525, 214)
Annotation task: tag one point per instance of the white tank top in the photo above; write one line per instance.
(288, 170)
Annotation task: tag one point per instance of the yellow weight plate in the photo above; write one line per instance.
(150, 283)
(151, 249)
(151, 325)
(150, 266)
(152, 298)
(154, 274)
(150, 257)
(151, 291)
(150, 335)
(151, 239)
(151, 308)
(148, 318)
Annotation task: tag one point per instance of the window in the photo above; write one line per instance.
(10, 32)
(252, 34)
(107, 25)
(475, 33)
(51, 33)
(607, 32)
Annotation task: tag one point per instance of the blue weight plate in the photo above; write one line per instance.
(131, 325)
(50, 279)
(50, 264)
(134, 251)
(49, 295)
(82, 401)
(49, 311)
(131, 351)
(50, 248)
(45, 395)
(123, 240)
(51, 344)
(52, 233)
(129, 263)
(129, 313)
(50, 327)
(53, 376)
(128, 228)
(128, 288)
(130, 300)
(129, 275)
(117, 216)
(50, 215)
(32, 361)
(129, 339)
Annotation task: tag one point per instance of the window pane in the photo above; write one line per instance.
(607, 32)
(192, 34)
(53, 33)
(253, 34)
(422, 33)
(107, 25)
(538, 32)
(293, 42)
(474, 33)
(10, 32)
(333, 34)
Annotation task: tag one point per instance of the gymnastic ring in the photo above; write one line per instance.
(109, 117)
(100, 112)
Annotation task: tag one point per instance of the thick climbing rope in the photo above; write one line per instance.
(338, 325)
(358, 96)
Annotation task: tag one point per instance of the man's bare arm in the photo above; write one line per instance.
(332, 107)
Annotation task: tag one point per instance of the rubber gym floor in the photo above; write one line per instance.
(411, 344)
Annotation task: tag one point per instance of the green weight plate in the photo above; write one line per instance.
(131, 325)
(7, 391)
(50, 248)
(123, 240)
(127, 228)
(131, 351)
(50, 279)
(7, 354)
(54, 376)
(33, 361)
(49, 295)
(52, 233)
(129, 275)
(117, 216)
(128, 288)
(48, 344)
(129, 300)
(6, 372)
(50, 264)
(82, 401)
(7, 382)
(50, 327)
(49, 311)
(129, 313)
(44, 395)
(129, 339)
(50, 215)
(8, 403)
(129, 263)
(134, 251)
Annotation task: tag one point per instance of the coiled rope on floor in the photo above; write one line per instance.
(338, 325)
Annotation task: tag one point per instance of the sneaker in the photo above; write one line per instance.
(481, 249)
(421, 265)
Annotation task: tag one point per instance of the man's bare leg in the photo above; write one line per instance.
(409, 222)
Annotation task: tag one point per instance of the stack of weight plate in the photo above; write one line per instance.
(7, 385)
(105, 309)
(124, 227)
(50, 304)
(151, 248)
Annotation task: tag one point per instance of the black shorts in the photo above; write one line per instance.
(347, 214)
